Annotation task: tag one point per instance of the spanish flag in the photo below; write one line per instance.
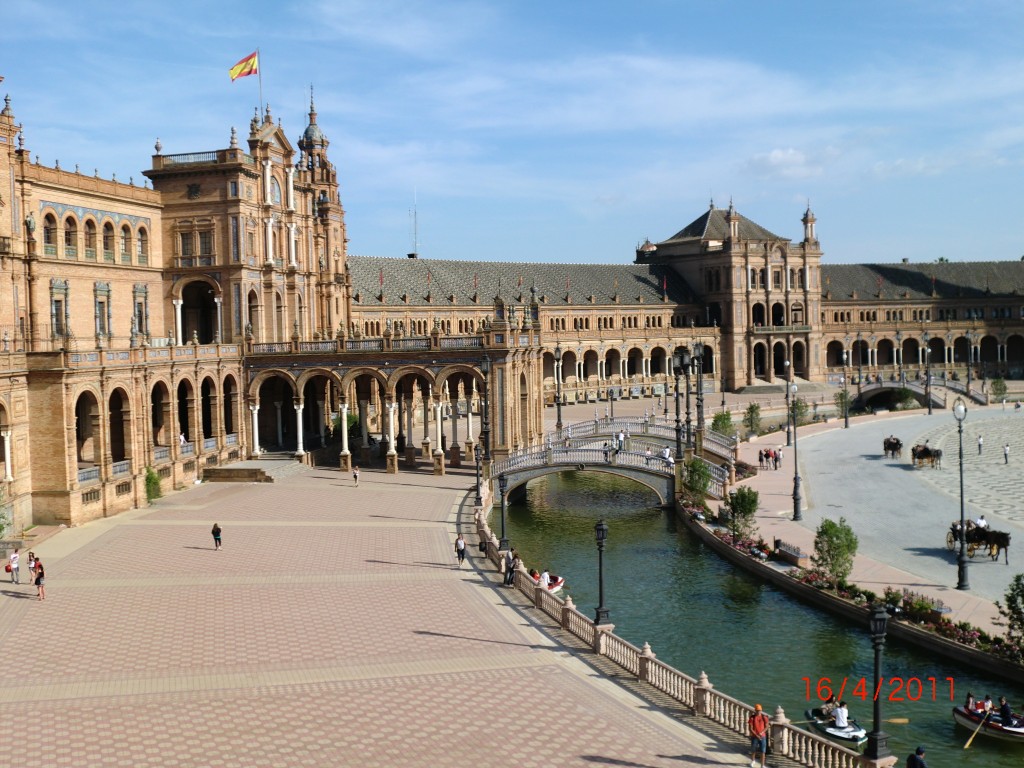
(250, 65)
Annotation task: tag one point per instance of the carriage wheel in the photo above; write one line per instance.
(950, 540)
(971, 549)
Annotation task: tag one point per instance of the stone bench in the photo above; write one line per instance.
(236, 475)
(788, 553)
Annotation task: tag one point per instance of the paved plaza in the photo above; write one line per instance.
(333, 629)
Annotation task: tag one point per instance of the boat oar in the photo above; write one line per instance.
(976, 730)
(895, 720)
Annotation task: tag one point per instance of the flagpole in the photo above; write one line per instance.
(259, 75)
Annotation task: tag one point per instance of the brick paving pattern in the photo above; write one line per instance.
(333, 630)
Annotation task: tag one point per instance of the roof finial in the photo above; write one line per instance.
(711, 205)
(312, 108)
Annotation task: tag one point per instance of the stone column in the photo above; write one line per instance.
(392, 455)
(437, 426)
(266, 182)
(7, 455)
(220, 319)
(280, 423)
(269, 235)
(426, 424)
(299, 405)
(291, 244)
(177, 320)
(290, 189)
(255, 450)
(345, 462)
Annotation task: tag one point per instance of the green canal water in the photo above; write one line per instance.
(755, 643)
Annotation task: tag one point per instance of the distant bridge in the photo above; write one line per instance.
(939, 391)
(641, 432)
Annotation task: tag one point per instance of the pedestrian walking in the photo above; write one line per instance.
(40, 580)
(758, 725)
(355, 476)
(1006, 454)
(31, 567)
(13, 566)
(981, 442)
(511, 558)
(607, 452)
(460, 549)
(760, 459)
(216, 536)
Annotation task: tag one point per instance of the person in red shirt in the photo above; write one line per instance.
(758, 723)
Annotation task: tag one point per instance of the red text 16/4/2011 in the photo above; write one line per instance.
(891, 689)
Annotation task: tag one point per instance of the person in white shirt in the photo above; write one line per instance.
(841, 715)
(545, 579)
(15, 573)
(981, 522)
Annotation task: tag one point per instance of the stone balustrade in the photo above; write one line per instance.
(803, 747)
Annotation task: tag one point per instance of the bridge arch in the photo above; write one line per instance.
(664, 487)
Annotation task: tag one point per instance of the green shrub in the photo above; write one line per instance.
(752, 418)
(153, 491)
(722, 423)
(835, 545)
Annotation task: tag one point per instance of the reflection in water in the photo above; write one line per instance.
(700, 614)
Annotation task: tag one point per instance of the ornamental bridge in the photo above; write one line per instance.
(573, 449)
(939, 391)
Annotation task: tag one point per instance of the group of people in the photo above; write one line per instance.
(987, 707)
(36, 572)
(769, 458)
(1006, 447)
(836, 711)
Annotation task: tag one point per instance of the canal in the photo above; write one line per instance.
(699, 613)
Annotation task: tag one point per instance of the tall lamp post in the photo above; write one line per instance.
(503, 488)
(679, 363)
(698, 363)
(600, 533)
(485, 419)
(970, 361)
(788, 412)
(558, 387)
(960, 413)
(687, 369)
(797, 516)
(878, 740)
(928, 374)
(846, 393)
(478, 453)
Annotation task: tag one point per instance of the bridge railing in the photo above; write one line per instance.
(698, 694)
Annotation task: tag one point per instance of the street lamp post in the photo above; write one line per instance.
(600, 533)
(860, 363)
(698, 362)
(679, 363)
(503, 488)
(960, 413)
(878, 740)
(786, 376)
(928, 375)
(485, 420)
(846, 393)
(611, 399)
(689, 421)
(558, 386)
(970, 361)
(478, 453)
(797, 516)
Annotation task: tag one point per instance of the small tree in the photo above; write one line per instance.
(1012, 613)
(835, 544)
(905, 399)
(799, 411)
(722, 423)
(742, 505)
(843, 401)
(752, 417)
(998, 389)
(153, 491)
(698, 476)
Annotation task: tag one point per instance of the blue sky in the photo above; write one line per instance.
(568, 131)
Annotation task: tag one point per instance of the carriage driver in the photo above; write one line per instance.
(981, 522)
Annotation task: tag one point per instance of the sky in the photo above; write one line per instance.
(567, 131)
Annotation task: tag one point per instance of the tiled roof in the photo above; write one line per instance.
(635, 284)
(976, 279)
(711, 225)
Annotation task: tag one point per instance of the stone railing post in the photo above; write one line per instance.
(567, 608)
(601, 632)
(646, 657)
(701, 697)
(780, 734)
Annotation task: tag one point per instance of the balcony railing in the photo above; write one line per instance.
(161, 453)
(231, 439)
(209, 444)
(121, 468)
(88, 475)
(188, 449)
(772, 329)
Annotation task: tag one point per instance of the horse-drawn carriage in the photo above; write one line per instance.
(923, 454)
(979, 538)
(892, 446)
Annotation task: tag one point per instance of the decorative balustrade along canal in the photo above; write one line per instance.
(755, 644)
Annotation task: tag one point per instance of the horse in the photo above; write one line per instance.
(999, 540)
(892, 447)
(920, 454)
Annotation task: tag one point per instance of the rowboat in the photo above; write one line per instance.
(993, 726)
(852, 734)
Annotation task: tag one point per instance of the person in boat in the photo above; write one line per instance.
(987, 705)
(545, 579)
(827, 707)
(970, 704)
(1006, 714)
(534, 574)
(916, 760)
(841, 715)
